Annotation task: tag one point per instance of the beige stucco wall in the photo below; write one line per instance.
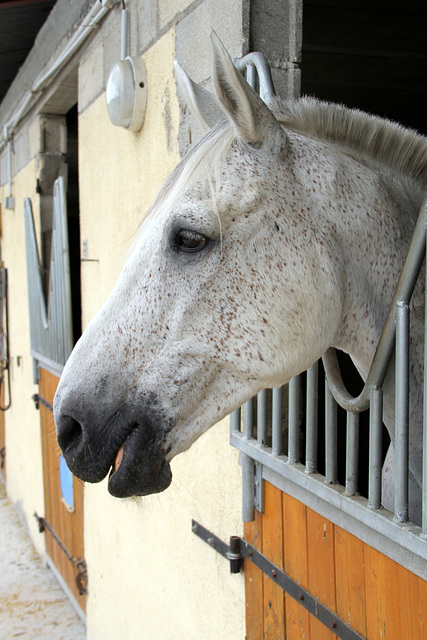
(22, 420)
(149, 575)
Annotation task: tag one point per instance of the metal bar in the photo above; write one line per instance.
(248, 466)
(294, 420)
(312, 419)
(352, 454)
(258, 61)
(125, 29)
(259, 488)
(39, 399)
(80, 564)
(380, 363)
(248, 488)
(262, 417)
(375, 447)
(213, 541)
(401, 444)
(277, 442)
(248, 418)
(248, 552)
(331, 430)
(252, 77)
(401, 542)
(235, 420)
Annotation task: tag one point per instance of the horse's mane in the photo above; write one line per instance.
(371, 140)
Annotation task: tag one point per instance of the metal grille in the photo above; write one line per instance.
(275, 446)
(50, 322)
(266, 455)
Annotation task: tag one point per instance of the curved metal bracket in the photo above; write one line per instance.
(384, 352)
(256, 66)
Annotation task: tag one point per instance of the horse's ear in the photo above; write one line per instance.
(255, 123)
(202, 104)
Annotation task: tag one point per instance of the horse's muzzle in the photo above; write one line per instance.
(129, 446)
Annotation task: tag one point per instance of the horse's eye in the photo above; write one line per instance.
(190, 241)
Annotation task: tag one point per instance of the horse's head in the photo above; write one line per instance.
(211, 307)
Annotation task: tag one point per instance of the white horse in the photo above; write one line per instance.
(282, 233)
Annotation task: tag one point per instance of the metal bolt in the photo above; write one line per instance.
(194, 528)
(333, 625)
(273, 573)
(250, 553)
(301, 597)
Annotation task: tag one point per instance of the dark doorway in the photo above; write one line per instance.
(71, 159)
(368, 55)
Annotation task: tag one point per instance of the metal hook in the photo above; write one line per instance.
(258, 63)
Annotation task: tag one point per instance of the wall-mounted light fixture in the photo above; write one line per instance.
(127, 93)
(127, 87)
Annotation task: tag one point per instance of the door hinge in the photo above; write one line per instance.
(240, 550)
(38, 400)
(79, 563)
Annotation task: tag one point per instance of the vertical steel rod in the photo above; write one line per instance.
(124, 48)
(248, 466)
(294, 420)
(262, 417)
(235, 420)
(277, 421)
(331, 449)
(252, 77)
(248, 488)
(352, 453)
(312, 419)
(248, 418)
(401, 445)
(375, 447)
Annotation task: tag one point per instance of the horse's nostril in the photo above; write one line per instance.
(69, 433)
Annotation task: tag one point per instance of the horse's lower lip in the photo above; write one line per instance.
(138, 469)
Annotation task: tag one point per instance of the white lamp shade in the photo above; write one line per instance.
(126, 93)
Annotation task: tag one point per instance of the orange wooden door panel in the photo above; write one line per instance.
(272, 547)
(254, 584)
(295, 565)
(68, 525)
(377, 597)
(350, 580)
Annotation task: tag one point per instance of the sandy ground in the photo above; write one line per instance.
(32, 604)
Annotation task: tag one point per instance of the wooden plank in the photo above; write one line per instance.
(422, 608)
(382, 596)
(321, 569)
(350, 580)
(272, 548)
(295, 565)
(413, 605)
(254, 583)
